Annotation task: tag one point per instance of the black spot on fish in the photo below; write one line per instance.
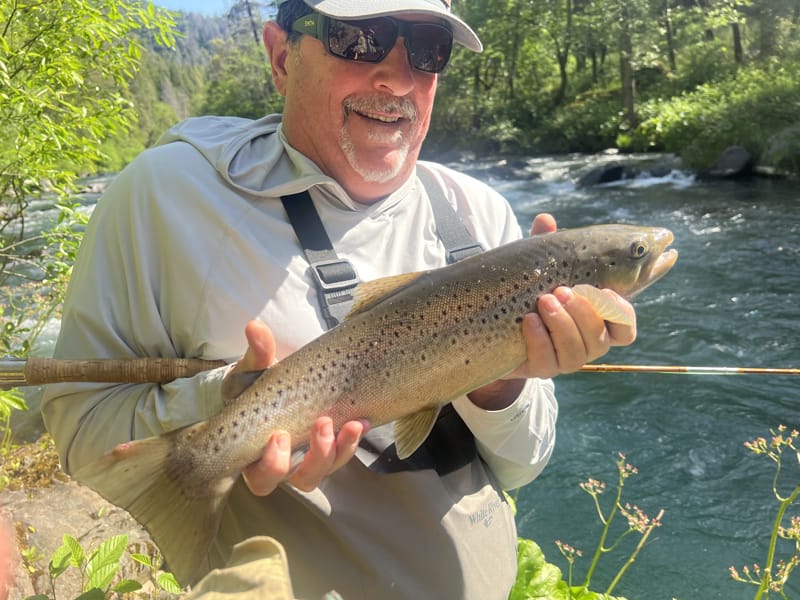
(518, 320)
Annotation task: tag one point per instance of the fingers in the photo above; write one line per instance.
(261, 349)
(543, 223)
(326, 453)
(264, 475)
(567, 333)
(261, 353)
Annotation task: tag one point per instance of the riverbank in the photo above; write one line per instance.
(43, 504)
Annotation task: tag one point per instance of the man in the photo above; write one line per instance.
(191, 245)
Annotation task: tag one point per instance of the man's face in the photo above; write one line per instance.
(361, 123)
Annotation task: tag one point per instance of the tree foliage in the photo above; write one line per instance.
(577, 74)
(65, 69)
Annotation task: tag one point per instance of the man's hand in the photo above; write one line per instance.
(327, 451)
(563, 335)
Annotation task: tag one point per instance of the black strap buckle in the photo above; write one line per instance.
(461, 252)
(335, 275)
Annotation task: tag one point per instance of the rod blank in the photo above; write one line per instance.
(41, 371)
(601, 368)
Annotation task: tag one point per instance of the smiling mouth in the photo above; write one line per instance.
(376, 117)
(390, 111)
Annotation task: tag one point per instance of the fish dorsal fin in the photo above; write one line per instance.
(603, 304)
(413, 429)
(368, 293)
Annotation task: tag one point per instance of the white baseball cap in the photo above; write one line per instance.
(364, 9)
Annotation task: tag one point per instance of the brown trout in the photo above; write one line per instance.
(411, 344)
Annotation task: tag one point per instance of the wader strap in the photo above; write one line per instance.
(454, 235)
(336, 278)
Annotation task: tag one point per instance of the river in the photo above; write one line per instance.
(731, 300)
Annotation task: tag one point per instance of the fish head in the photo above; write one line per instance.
(625, 258)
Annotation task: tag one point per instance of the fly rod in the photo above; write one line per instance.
(39, 371)
(687, 370)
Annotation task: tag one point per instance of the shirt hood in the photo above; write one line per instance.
(255, 158)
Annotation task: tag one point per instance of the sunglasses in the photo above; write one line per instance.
(370, 40)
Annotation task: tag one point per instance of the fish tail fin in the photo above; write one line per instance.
(137, 476)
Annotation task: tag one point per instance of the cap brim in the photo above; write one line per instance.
(364, 9)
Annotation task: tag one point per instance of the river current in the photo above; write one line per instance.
(731, 300)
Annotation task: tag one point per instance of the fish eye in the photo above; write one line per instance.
(638, 249)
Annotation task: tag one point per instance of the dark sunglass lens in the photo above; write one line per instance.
(429, 47)
(369, 40)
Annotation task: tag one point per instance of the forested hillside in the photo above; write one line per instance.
(688, 76)
(691, 77)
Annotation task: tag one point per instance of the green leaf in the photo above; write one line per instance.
(93, 594)
(60, 561)
(104, 562)
(112, 549)
(102, 576)
(536, 578)
(142, 559)
(76, 551)
(168, 583)
(127, 585)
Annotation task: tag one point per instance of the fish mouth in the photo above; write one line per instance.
(662, 263)
(666, 259)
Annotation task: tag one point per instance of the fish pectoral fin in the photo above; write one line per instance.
(603, 304)
(369, 293)
(412, 430)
